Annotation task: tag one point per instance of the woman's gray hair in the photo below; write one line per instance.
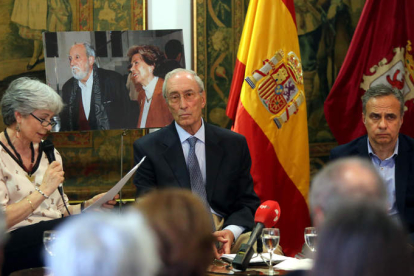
(105, 244)
(26, 95)
(179, 70)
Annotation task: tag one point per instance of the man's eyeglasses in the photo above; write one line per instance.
(45, 123)
(189, 96)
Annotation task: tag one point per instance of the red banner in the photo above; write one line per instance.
(381, 51)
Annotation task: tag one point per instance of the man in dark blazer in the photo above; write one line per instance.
(390, 152)
(103, 91)
(222, 154)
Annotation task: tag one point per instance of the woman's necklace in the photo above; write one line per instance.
(29, 171)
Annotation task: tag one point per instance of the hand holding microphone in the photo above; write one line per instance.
(49, 150)
(53, 178)
(266, 216)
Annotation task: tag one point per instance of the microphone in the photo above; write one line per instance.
(49, 149)
(266, 216)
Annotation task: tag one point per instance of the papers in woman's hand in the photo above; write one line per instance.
(115, 189)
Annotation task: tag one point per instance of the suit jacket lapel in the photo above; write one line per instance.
(214, 156)
(402, 165)
(175, 157)
(363, 147)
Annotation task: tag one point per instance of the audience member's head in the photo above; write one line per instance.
(361, 239)
(342, 180)
(105, 244)
(183, 226)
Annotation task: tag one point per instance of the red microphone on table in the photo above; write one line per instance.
(266, 216)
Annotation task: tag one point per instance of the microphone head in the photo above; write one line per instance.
(49, 149)
(268, 213)
(47, 145)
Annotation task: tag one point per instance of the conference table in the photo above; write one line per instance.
(212, 271)
(218, 267)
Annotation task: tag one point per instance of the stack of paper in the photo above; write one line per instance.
(257, 260)
(282, 262)
(295, 264)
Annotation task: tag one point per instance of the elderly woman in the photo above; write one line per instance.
(147, 74)
(183, 225)
(28, 183)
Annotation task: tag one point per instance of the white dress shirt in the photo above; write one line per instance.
(149, 92)
(86, 90)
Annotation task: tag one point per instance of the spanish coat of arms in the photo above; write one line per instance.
(278, 89)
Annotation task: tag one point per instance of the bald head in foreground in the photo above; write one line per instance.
(342, 181)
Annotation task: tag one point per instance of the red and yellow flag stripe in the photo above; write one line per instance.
(280, 156)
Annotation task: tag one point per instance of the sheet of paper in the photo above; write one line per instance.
(295, 264)
(115, 189)
(256, 259)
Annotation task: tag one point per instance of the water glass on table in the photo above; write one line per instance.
(270, 239)
(49, 237)
(311, 237)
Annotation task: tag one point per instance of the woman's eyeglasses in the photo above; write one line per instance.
(45, 123)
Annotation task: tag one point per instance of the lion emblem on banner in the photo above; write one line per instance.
(278, 88)
(398, 73)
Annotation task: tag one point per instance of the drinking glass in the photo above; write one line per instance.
(49, 237)
(270, 239)
(311, 237)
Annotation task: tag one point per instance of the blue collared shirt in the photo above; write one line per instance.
(386, 169)
(200, 149)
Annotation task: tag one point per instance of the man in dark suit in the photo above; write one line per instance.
(223, 159)
(95, 98)
(390, 152)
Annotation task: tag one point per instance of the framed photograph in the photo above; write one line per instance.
(112, 79)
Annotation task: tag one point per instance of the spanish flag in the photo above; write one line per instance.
(267, 105)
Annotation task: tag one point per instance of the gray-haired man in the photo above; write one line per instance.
(95, 98)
